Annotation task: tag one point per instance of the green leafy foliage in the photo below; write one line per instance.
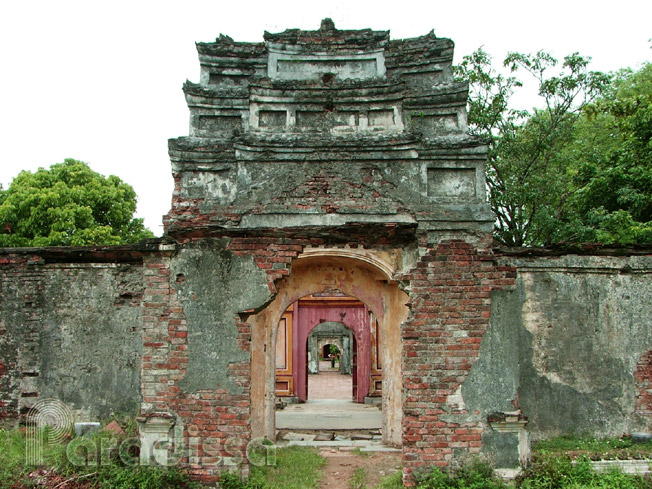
(548, 472)
(586, 443)
(474, 475)
(68, 205)
(301, 467)
(392, 481)
(12, 457)
(576, 169)
(545, 472)
(613, 168)
(574, 446)
(357, 480)
(527, 177)
(61, 467)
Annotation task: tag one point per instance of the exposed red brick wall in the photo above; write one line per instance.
(450, 304)
(185, 214)
(20, 289)
(217, 426)
(643, 383)
(273, 255)
(205, 414)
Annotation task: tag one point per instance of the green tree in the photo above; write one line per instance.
(527, 173)
(613, 152)
(68, 205)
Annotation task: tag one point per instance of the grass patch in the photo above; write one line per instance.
(545, 472)
(392, 481)
(357, 481)
(576, 447)
(475, 475)
(359, 453)
(555, 472)
(14, 469)
(296, 468)
(12, 457)
(560, 463)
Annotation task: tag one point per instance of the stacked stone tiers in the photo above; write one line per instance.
(327, 128)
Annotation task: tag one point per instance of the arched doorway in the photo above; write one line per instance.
(326, 327)
(324, 272)
(329, 348)
(330, 341)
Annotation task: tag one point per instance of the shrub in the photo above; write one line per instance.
(560, 472)
(476, 474)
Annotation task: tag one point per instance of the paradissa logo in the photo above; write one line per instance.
(49, 421)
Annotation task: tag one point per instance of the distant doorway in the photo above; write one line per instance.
(329, 383)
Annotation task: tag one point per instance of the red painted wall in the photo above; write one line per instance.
(307, 317)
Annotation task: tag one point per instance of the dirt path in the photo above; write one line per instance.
(341, 467)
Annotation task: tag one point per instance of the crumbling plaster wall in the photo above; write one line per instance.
(213, 285)
(197, 349)
(567, 345)
(568, 340)
(69, 331)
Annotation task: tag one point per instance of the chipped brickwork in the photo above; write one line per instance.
(273, 255)
(20, 284)
(293, 147)
(450, 304)
(215, 421)
(329, 161)
(291, 141)
(643, 380)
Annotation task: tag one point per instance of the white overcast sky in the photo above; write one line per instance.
(100, 81)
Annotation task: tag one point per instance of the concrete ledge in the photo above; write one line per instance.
(374, 401)
(508, 474)
(369, 445)
(131, 253)
(633, 467)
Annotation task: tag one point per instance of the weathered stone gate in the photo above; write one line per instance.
(321, 161)
(330, 161)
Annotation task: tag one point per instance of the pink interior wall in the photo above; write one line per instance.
(308, 317)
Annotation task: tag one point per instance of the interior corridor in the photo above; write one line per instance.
(329, 383)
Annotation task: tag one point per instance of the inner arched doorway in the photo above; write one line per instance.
(328, 328)
(329, 352)
(321, 339)
(329, 342)
(323, 273)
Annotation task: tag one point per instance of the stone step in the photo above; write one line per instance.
(347, 445)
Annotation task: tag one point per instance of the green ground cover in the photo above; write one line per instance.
(561, 463)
